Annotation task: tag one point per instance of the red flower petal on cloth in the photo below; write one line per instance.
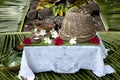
(58, 41)
(26, 41)
(94, 40)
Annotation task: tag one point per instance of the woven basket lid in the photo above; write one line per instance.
(77, 24)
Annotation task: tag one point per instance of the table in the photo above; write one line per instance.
(64, 59)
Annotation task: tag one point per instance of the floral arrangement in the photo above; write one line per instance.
(53, 38)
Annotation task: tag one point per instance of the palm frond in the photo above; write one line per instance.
(10, 40)
(110, 14)
(11, 14)
(8, 75)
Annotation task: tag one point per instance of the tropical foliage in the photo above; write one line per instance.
(7, 55)
(10, 40)
(11, 14)
(110, 14)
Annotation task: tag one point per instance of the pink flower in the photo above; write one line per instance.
(58, 41)
(26, 41)
(94, 40)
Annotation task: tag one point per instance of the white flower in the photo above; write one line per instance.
(72, 41)
(54, 33)
(37, 34)
(51, 31)
(48, 40)
(42, 32)
(35, 30)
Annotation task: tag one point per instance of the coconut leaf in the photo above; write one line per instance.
(11, 14)
(103, 18)
(110, 11)
(7, 75)
(10, 40)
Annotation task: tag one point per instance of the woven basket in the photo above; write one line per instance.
(77, 24)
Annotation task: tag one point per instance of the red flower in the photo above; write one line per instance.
(26, 41)
(58, 41)
(94, 40)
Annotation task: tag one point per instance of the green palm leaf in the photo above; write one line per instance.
(10, 40)
(12, 14)
(110, 14)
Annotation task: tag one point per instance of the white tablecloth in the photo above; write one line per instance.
(64, 59)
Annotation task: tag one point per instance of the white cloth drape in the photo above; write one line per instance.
(64, 59)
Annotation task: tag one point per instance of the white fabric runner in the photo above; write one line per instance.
(63, 59)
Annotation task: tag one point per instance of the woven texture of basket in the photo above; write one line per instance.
(77, 24)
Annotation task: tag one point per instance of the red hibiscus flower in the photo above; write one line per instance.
(58, 41)
(94, 40)
(26, 41)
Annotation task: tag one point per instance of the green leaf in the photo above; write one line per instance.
(49, 6)
(55, 11)
(110, 14)
(11, 16)
(60, 12)
(10, 40)
(73, 8)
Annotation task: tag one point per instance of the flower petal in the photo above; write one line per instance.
(35, 30)
(43, 32)
(72, 41)
(48, 40)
